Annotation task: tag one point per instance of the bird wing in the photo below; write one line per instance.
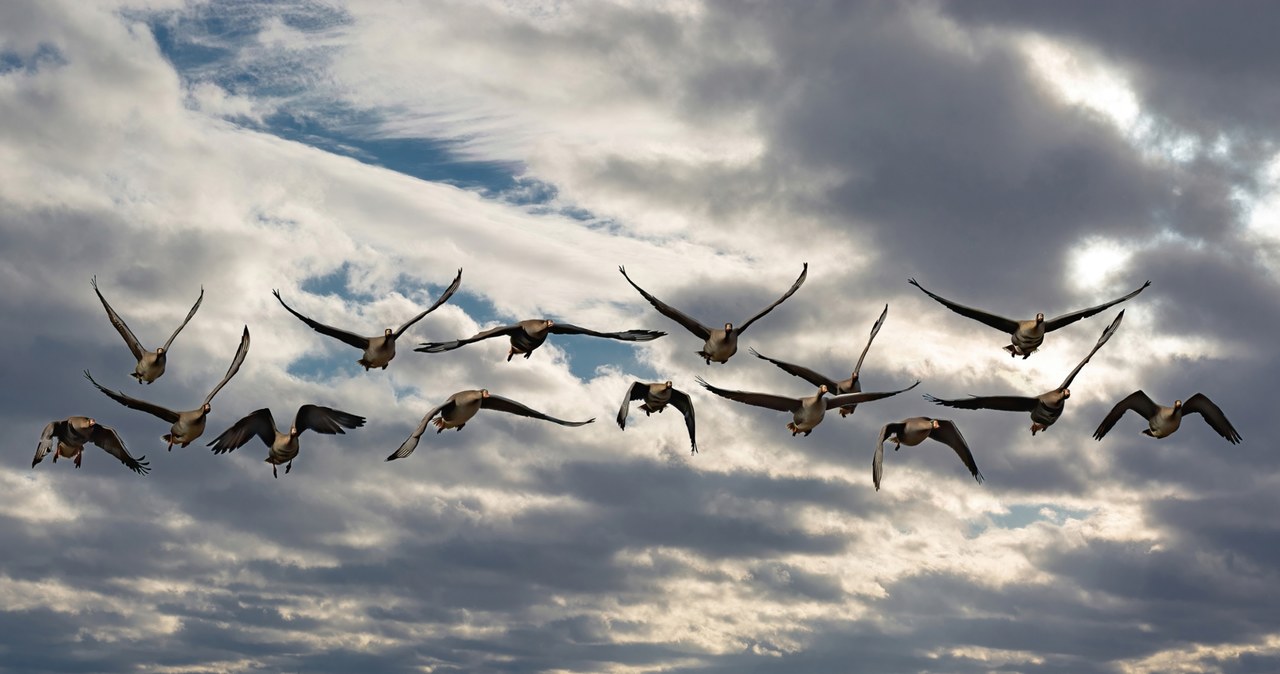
(341, 335)
(325, 420)
(857, 398)
(108, 439)
(437, 347)
(448, 292)
(773, 402)
(185, 320)
(1106, 334)
(500, 404)
(698, 329)
(802, 372)
(1137, 401)
(626, 335)
(804, 273)
(1005, 325)
(877, 461)
(235, 366)
(1200, 404)
(875, 329)
(411, 443)
(949, 434)
(46, 444)
(134, 346)
(637, 391)
(1068, 319)
(681, 401)
(1004, 403)
(133, 403)
(258, 424)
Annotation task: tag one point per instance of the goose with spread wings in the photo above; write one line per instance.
(283, 447)
(150, 363)
(720, 344)
(851, 385)
(1163, 421)
(1044, 408)
(807, 412)
(913, 431)
(460, 407)
(1025, 336)
(189, 425)
(527, 336)
(656, 397)
(67, 438)
(379, 349)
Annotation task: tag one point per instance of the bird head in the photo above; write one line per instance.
(667, 384)
(1177, 404)
(207, 408)
(293, 431)
(484, 393)
(1039, 318)
(159, 350)
(728, 327)
(388, 332)
(1066, 393)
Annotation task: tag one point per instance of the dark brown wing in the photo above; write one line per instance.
(1067, 319)
(1005, 325)
(236, 361)
(185, 320)
(448, 292)
(1003, 403)
(129, 339)
(875, 330)
(52, 430)
(325, 420)
(1200, 404)
(135, 404)
(858, 398)
(681, 401)
(411, 442)
(637, 391)
(626, 335)
(259, 424)
(1106, 334)
(698, 329)
(773, 402)
(802, 372)
(948, 434)
(804, 273)
(108, 439)
(437, 347)
(500, 404)
(1137, 401)
(877, 461)
(341, 335)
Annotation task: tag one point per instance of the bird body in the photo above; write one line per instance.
(806, 412)
(461, 406)
(67, 438)
(1162, 421)
(656, 397)
(915, 430)
(283, 447)
(150, 364)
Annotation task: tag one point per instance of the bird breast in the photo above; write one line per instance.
(1165, 422)
(721, 345)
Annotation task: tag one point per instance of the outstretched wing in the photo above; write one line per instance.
(411, 442)
(134, 347)
(1003, 403)
(235, 366)
(698, 329)
(135, 404)
(1200, 404)
(185, 320)
(325, 420)
(448, 292)
(1005, 325)
(437, 347)
(341, 335)
(681, 401)
(858, 398)
(52, 429)
(875, 330)
(637, 391)
(949, 434)
(259, 424)
(108, 439)
(1106, 334)
(804, 273)
(877, 461)
(1137, 401)
(500, 404)
(1068, 319)
(773, 402)
(802, 372)
(626, 335)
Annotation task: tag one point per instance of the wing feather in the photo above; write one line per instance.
(411, 443)
(1068, 319)
(325, 420)
(185, 320)
(1200, 404)
(258, 423)
(949, 434)
(1138, 401)
(1106, 334)
(637, 391)
(859, 398)
(236, 361)
(802, 372)
(1005, 325)
(689, 323)
(1003, 403)
(768, 400)
(500, 404)
(129, 339)
(108, 439)
(341, 335)
(438, 347)
(448, 292)
(135, 404)
(804, 273)
(681, 401)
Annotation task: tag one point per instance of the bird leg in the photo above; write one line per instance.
(274, 473)
(791, 426)
(1037, 427)
(288, 467)
(510, 352)
(79, 455)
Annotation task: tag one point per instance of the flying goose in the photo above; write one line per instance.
(656, 397)
(1025, 336)
(1044, 408)
(379, 349)
(807, 412)
(850, 385)
(1163, 421)
(284, 446)
(461, 406)
(67, 438)
(189, 425)
(150, 363)
(720, 344)
(526, 336)
(913, 431)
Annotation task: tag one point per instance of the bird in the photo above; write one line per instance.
(187, 426)
(720, 344)
(66, 438)
(851, 385)
(806, 412)
(1025, 336)
(283, 447)
(379, 349)
(656, 397)
(527, 336)
(913, 431)
(1163, 421)
(1044, 408)
(460, 407)
(150, 363)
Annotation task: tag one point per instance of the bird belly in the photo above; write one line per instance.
(1163, 425)
(183, 432)
(380, 355)
(720, 347)
(283, 452)
(1046, 415)
(1025, 340)
(807, 418)
(150, 367)
(461, 414)
(524, 342)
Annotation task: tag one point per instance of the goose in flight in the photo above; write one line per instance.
(807, 412)
(720, 344)
(67, 438)
(527, 336)
(1044, 408)
(1025, 336)
(461, 406)
(379, 349)
(283, 447)
(189, 425)
(1163, 421)
(150, 363)
(913, 431)
(656, 397)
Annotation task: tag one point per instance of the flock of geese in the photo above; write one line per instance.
(67, 438)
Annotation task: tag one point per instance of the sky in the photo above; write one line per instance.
(1019, 157)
